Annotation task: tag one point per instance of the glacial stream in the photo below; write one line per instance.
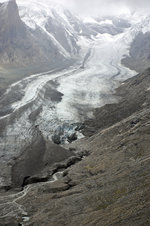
(9, 205)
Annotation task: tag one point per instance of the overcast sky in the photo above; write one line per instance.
(108, 6)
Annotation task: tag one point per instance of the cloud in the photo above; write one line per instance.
(107, 7)
(94, 7)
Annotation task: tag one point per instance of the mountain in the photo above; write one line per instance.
(74, 139)
(138, 57)
(22, 46)
(45, 33)
(12, 30)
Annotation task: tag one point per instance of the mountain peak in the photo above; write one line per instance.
(12, 28)
(13, 8)
(10, 1)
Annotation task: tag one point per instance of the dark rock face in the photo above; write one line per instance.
(106, 28)
(139, 58)
(72, 137)
(56, 139)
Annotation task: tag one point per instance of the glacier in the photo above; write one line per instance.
(82, 89)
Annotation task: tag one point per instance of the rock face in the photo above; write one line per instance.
(139, 58)
(11, 26)
(12, 29)
(108, 187)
